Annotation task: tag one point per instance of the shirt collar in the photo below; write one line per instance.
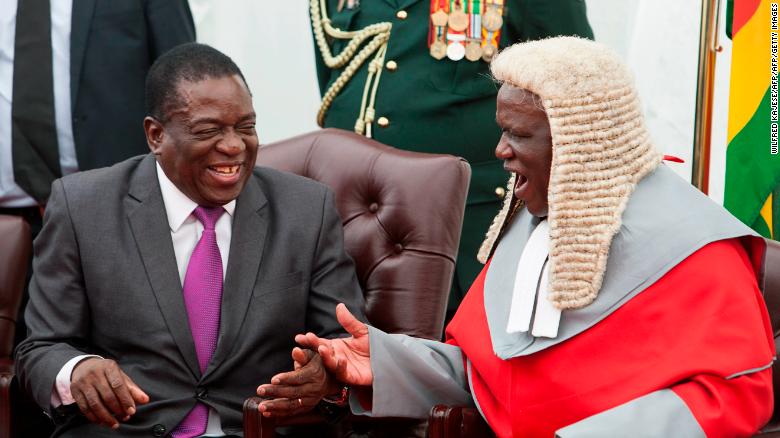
(178, 207)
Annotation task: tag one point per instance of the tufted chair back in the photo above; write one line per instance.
(402, 214)
(15, 248)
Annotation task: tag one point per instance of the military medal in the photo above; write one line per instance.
(458, 20)
(492, 20)
(438, 49)
(488, 52)
(473, 47)
(455, 50)
(439, 18)
(473, 51)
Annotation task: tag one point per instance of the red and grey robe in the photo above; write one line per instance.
(678, 342)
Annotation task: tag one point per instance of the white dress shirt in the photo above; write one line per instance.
(11, 195)
(185, 233)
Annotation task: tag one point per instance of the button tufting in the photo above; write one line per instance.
(374, 207)
(398, 248)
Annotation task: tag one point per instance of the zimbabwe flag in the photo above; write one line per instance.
(752, 161)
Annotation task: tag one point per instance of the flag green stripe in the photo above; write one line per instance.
(760, 227)
(729, 18)
(752, 173)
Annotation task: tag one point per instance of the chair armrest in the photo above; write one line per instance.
(771, 430)
(257, 426)
(6, 380)
(457, 421)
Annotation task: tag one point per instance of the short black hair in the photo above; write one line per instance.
(191, 62)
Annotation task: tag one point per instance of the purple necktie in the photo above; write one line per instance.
(202, 298)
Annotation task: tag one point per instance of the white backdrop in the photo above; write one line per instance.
(271, 42)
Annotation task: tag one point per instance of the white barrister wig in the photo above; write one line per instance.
(601, 149)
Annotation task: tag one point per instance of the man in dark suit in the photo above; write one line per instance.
(167, 287)
(71, 95)
(71, 89)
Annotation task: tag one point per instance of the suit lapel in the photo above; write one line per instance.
(81, 19)
(250, 226)
(149, 223)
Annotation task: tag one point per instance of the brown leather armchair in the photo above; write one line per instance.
(457, 421)
(402, 214)
(15, 248)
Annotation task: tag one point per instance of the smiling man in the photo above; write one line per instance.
(616, 301)
(167, 287)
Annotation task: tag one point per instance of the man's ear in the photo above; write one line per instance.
(155, 132)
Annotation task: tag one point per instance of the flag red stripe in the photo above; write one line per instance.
(743, 12)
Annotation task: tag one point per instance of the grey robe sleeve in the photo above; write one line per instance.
(412, 375)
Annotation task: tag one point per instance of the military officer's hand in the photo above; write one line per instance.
(299, 390)
(104, 392)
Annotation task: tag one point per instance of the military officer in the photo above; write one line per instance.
(413, 74)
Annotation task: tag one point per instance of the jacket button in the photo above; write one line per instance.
(500, 192)
(401, 15)
(158, 430)
(383, 122)
(201, 393)
(391, 65)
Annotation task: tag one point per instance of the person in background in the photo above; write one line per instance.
(617, 300)
(71, 93)
(413, 74)
(71, 89)
(167, 287)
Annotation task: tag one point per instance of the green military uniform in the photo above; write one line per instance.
(440, 106)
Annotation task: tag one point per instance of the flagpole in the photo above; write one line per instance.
(705, 84)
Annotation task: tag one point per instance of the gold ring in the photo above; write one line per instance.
(300, 403)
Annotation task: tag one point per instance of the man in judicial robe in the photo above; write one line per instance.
(616, 300)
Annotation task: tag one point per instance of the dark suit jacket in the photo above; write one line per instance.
(112, 45)
(105, 282)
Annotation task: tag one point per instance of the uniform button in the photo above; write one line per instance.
(383, 122)
(391, 65)
(374, 207)
(201, 393)
(401, 15)
(158, 430)
(500, 192)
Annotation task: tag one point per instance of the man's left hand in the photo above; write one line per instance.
(299, 390)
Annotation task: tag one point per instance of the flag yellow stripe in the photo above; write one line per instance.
(766, 213)
(750, 69)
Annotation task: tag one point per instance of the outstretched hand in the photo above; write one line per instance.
(348, 359)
